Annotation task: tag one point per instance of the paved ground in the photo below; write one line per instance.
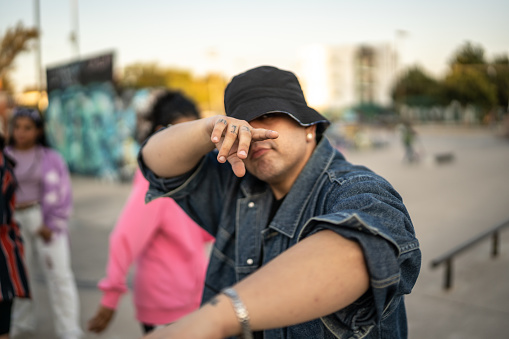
(449, 203)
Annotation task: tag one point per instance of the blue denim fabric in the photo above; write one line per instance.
(330, 193)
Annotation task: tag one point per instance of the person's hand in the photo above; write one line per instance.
(191, 326)
(233, 138)
(101, 319)
(45, 233)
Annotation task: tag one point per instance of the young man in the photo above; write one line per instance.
(307, 244)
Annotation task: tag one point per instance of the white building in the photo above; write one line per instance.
(335, 77)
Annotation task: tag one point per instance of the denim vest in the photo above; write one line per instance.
(330, 193)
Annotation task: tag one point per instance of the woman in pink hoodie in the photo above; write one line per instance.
(166, 245)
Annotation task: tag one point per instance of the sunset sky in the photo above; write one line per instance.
(232, 36)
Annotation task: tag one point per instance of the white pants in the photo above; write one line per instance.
(55, 262)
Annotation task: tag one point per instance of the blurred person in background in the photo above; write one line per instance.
(13, 275)
(43, 208)
(408, 138)
(166, 245)
(307, 244)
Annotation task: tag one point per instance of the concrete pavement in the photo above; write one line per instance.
(448, 203)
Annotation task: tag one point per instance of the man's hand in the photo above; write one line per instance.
(101, 319)
(233, 138)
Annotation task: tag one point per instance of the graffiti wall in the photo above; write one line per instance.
(89, 123)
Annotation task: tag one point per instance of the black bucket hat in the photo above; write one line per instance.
(266, 89)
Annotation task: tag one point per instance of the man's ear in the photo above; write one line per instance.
(311, 133)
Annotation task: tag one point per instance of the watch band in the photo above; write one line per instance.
(240, 312)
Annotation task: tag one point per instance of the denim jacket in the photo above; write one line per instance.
(330, 193)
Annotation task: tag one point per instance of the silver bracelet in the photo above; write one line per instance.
(240, 312)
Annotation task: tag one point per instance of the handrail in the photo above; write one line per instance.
(447, 257)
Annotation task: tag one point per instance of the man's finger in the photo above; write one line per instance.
(259, 134)
(218, 130)
(244, 142)
(229, 140)
(238, 167)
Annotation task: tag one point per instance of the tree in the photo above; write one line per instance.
(468, 79)
(468, 54)
(141, 75)
(206, 91)
(12, 43)
(501, 60)
(468, 85)
(499, 73)
(416, 88)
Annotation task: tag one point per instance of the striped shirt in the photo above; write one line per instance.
(13, 276)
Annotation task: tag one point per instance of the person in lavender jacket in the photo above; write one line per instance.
(44, 204)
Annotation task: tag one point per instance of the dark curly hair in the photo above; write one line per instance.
(168, 108)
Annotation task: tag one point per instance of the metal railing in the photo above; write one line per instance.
(448, 257)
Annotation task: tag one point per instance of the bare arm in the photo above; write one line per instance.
(178, 149)
(318, 276)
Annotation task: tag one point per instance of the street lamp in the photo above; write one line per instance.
(74, 36)
(38, 62)
(400, 35)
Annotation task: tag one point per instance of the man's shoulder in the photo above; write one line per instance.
(339, 165)
(341, 174)
(331, 163)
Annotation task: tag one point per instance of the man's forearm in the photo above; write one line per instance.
(177, 149)
(318, 276)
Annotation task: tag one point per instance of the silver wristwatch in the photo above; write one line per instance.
(240, 312)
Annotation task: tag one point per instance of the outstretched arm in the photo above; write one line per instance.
(178, 149)
(127, 241)
(318, 276)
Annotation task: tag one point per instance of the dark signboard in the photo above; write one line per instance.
(82, 72)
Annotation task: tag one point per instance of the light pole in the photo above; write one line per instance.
(74, 36)
(38, 62)
(398, 59)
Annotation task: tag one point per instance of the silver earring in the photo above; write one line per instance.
(310, 136)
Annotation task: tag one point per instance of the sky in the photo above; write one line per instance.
(232, 36)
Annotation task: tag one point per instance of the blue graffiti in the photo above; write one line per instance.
(95, 129)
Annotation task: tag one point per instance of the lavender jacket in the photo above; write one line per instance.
(56, 192)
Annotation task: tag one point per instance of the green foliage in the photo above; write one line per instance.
(468, 85)
(206, 91)
(501, 60)
(470, 80)
(468, 54)
(416, 88)
(141, 75)
(12, 43)
(6, 83)
(500, 76)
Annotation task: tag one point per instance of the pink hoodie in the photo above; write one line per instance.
(168, 248)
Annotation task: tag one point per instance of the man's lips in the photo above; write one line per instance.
(258, 152)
